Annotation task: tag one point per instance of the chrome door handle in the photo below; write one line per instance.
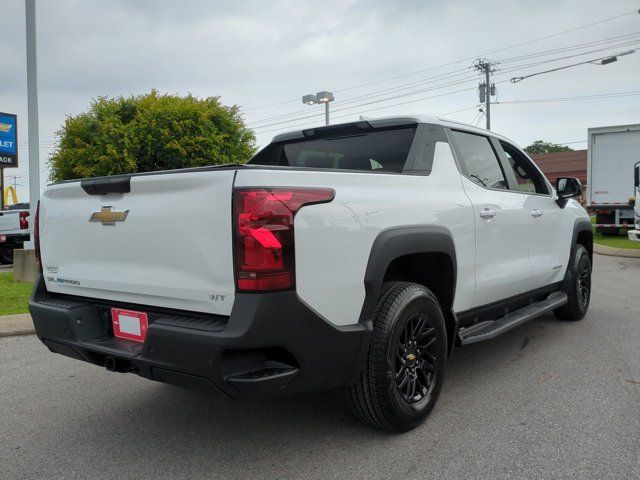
(537, 213)
(487, 213)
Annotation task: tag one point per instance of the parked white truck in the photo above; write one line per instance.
(612, 154)
(354, 255)
(14, 231)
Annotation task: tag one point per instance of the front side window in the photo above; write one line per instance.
(528, 179)
(478, 160)
(375, 151)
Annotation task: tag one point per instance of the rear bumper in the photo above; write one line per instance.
(634, 235)
(13, 240)
(270, 342)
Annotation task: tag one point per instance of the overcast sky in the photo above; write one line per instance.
(255, 53)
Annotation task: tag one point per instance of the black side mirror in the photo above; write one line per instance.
(636, 176)
(567, 187)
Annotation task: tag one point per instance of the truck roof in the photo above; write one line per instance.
(378, 122)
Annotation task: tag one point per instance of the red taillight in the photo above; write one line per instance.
(24, 220)
(264, 255)
(36, 236)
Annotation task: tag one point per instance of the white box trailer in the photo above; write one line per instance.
(611, 157)
(634, 235)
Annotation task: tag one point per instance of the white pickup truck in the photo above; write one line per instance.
(354, 255)
(14, 230)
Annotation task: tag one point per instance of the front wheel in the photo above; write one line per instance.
(579, 292)
(404, 371)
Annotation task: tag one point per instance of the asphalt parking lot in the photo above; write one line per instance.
(549, 400)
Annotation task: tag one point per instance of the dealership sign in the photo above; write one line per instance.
(8, 140)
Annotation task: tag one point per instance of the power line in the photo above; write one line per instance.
(293, 127)
(528, 42)
(634, 42)
(440, 77)
(377, 101)
(458, 111)
(576, 46)
(297, 119)
(294, 116)
(539, 100)
(574, 98)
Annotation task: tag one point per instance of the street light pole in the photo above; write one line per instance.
(320, 97)
(32, 111)
(596, 61)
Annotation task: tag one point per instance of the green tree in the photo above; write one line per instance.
(540, 146)
(150, 132)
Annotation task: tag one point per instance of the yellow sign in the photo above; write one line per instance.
(12, 191)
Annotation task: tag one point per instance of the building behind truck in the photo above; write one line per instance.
(612, 154)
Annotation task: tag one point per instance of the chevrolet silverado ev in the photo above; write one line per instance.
(355, 255)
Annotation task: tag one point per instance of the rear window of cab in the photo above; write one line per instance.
(374, 151)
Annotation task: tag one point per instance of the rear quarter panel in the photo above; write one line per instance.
(333, 240)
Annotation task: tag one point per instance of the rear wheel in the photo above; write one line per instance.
(6, 255)
(404, 370)
(579, 292)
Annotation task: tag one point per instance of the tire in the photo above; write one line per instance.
(401, 380)
(579, 291)
(6, 256)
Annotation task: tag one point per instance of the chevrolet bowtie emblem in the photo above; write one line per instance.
(108, 217)
(5, 127)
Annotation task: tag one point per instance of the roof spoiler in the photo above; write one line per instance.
(336, 130)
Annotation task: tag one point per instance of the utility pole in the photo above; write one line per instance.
(486, 88)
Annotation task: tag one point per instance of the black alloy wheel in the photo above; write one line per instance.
(584, 282)
(416, 364)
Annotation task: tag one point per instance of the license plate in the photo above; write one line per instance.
(129, 324)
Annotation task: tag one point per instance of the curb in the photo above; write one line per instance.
(616, 252)
(12, 325)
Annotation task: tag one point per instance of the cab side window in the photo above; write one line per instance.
(479, 161)
(528, 178)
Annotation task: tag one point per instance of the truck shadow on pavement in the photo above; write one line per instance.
(163, 415)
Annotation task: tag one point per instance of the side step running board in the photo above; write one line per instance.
(492, 328)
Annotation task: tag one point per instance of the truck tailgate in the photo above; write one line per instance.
(9, 221)
(173, 247)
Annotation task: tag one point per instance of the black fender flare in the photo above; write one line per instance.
(579, 225)
(395, 243)
(582, 225)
